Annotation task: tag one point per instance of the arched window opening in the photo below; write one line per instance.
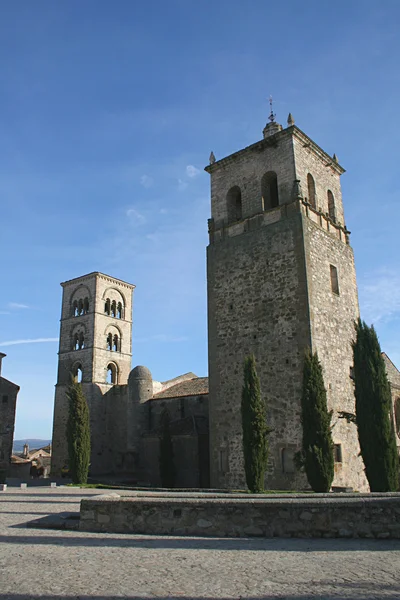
(86, 306)
(269, 190)
(331, 206)
(75, 343)
(115, 346)
(311, 190)
(77, 374)
(75, 308)
(107, 306)
(81, 341)
(112, 374)
(119, 310)
(234, 204)
(397, 415)
(109, 341)
(80, 307)
(113, 308)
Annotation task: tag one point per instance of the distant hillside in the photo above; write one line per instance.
(18, 445)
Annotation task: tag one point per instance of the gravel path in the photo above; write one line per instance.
(40, 563)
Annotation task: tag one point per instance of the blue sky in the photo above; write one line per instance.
(108, 113)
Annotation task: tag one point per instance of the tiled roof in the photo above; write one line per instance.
(190, 387)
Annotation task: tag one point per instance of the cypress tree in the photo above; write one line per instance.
(317, 448)
(254, 427)
(373, 401)
(166, 455)
(78, 434)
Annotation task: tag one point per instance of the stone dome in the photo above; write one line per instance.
(140, 372)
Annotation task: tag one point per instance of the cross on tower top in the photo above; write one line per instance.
(272, 115)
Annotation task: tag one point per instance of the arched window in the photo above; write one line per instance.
(269, 190)
(86, 306)
(115, 346)
(75, 312)
(75, 343)
(77, 373)
(80, 307)
(119, 310)
(331, 206)
(311, 190)
(234, 204)
(112, 374)
(107, 306)
(81, 341)
(113, 308)
(109, 341)
(397, 415)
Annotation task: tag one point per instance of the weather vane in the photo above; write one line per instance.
(271, 115)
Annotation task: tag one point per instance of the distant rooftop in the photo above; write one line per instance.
(191, 387)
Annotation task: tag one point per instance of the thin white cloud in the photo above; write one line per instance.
(380, 297)
(182, 185)
(146, 181)
(136, 217)
(191, 171)
(17, 305)
(35, 341)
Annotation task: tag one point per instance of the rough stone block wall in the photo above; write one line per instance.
(246, 169)
(374, 516)
(332, 318)
(178, 408)
(94, 359)
(269, 292)
(8, 403)
(325, 173)
(257, 302)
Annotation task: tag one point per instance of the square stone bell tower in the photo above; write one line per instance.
(281, 278)
(96, 349)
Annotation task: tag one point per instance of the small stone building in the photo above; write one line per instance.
(8, 402)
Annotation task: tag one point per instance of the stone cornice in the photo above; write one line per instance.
(273, 140)
(98, 275)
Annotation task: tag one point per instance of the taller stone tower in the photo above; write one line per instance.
(96, 348)
(281, 278)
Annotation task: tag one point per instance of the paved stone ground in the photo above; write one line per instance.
(48, 564)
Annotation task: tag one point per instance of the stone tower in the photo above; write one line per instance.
(281, 278)
(96, 348)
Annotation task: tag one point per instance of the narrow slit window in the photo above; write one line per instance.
(334, 280)
(338, 453)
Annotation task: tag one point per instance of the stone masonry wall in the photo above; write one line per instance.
(332, 318)
(257, 302)
(94, 359)
(372, 516)
(269, 292)
(8, 403)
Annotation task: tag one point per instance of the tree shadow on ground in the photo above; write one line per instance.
(87, 539)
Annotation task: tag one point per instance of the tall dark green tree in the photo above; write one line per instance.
(317, 447)
(78, 433)
(254, 427)
(166, 453)
(373, 401)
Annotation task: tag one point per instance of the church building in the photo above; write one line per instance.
(280, 279)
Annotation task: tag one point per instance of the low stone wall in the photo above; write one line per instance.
(223, 515)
